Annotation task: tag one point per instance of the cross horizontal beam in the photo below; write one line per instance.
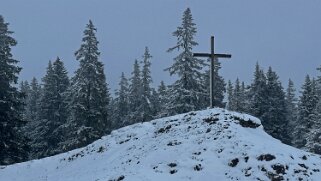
(210, 55)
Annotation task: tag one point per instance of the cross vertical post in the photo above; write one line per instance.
(212, 83)
(212, 56)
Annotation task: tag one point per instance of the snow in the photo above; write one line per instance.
(208, 145)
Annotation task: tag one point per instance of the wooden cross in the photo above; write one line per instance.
(212, 55)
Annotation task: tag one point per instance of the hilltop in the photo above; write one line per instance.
(207, 145)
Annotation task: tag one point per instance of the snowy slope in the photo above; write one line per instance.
(207, 145)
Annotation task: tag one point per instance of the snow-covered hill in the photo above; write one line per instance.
(207, 145)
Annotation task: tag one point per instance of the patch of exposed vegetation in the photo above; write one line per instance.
(233, 162)
(164, 130)
(266, 157)
(198, 167)
(211, 120)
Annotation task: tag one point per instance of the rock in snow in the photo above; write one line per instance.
(208, 145)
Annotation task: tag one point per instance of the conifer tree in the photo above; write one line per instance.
(147, 90)
(274, 116)
(314, 136)
(306, 108)
(121, 112)
(238, 98)
(291, 108)
(162, 99)
(12, 143)
(31, 112)
(54, 111)
(154, 103)
(313, 139)
(33, 101)
(230, 91)
(89, 94)
(258, 96)
(135, 95)
(246, 97)
(186, 92)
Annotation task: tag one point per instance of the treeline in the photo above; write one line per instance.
(58, 113)
(294, 120)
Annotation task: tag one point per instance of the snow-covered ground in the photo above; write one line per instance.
(206, 145)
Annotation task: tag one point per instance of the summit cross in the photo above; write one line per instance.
(213, 56)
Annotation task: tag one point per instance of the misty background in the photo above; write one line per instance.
(283, 34)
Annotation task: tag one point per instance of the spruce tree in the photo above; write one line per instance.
(33, 101)
(154, 103)
(291, 108)
(238, 98)
(257, 94)
(163, 100)
(274, 116)
(306, 108)
(186, 92)
(135, 95)
(230, 91)
(12, 143)
(313, 126)
(313, 138)
(146, 89)
(246, 97)
(31, 112)
(54, 111)
(121, 104)
(89, 95)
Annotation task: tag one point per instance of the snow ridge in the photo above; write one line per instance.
(208, 145)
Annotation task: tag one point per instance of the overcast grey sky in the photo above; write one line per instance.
(283, 34)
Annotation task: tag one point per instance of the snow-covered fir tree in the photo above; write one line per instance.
(12, 142)
(257, 94)
(154, 103)
(146, 78)
(186, 92)
(31, 96)
(162, 92)
(33, 101)
(53, 113)
(314, 132)
(238, 97)
(31, 112)
(307, 104)
(291, 108)
(274, 116)
(230, 90)
(135, 95)
(121, 103)
(313, 138)
(89, 95)
(246, 97)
